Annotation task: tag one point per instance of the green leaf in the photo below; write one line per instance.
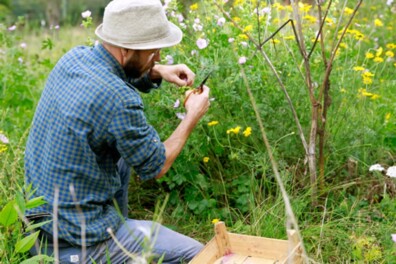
(34, 226)
(26, 243)
(37, 259)
(35, 202)
(8, 214)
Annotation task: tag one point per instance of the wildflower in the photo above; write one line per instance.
(213, 123)
(221, 21)
(205, 159)
(348, 11)
(248, 28)
(242, 60)
(3, 138)
(230, 40)
(387, 117)
(310, 19)
(236, 19)
(389, 3)
(367, 80)
(194, 7)
(368, 74)
(369, 55)
(243, 36)
(197, 26)
(20, 60)
(393, 237)
(202, 43)
(176, 104)
(359, 68)
(247, 132)
(12, 28)
(376, 167)
(244, 43)
(363, 92)
(23, 45)
(391, 172)
(86, 14)
(169, 59)
(378, 59)
(180, 18)
(378, 23)
(304, 7)
(234, 130)
(343, 45)
(379, 52)
(391, 46)
(290, 37)
(390, 54)
(181, 115)
(216, 220)
(329, 21)
(278, 7)
(275, 41)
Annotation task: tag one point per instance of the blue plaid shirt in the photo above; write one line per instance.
(89, 116)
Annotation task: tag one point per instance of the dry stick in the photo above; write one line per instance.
(314, 110)
(291, 219)
(258, 46)
(324, 92)
(55, 225)
(83, 225)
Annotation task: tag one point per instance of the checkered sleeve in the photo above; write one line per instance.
(137, 141)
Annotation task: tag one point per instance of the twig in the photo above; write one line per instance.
(55, 225)
(83, 224)
(289, 211)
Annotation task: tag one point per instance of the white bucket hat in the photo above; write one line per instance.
(138, 25)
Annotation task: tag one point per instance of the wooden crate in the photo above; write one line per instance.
(229, 248)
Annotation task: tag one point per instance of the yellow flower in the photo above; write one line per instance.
(238, 2)
(363, 92)
(367, 80)
(247, 132)
(215, 221)
(391, 46)
(194, 7)
(329, 21)
(390, 54)
(374, 96)
(234, 130)
(243, 36)
(311, 19)
(278, 6)
(205, 159)
(275, 41)
(378, 23)
(348, 11)
(379, 51)
(358, 68)
(387, 117)
(290, 37)
(378, 59)
(213, 123)
(369, 55)
(3, 148)
(343, 45)
(236, 19)
(367, 74)
(304, 7)
(248, 28)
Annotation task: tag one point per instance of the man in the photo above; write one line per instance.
(89, 129)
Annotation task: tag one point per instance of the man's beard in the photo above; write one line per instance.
(134, 69)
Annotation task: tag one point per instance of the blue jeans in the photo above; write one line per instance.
(138, 238)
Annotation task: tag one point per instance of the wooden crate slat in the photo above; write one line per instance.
(209, 254)
(258, 246)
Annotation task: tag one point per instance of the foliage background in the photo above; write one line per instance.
(228, 175)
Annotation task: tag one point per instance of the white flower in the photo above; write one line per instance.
(391, 172)
(197, 27)
(23, 45)
(86, 14)
(4, 139)
(169, 59)
(12, 28)
(194, 52)
(176, 104)
(202, 43)
(244, 43)
(389, 2)
(180, 18)
(181, 115)
(20, 60)
(376, 167)
(221, 21)
(230, 40)
(242, 60)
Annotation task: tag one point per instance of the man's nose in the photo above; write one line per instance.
(157, 56)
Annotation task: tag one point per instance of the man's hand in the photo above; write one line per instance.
(178, 74)
(197, 104)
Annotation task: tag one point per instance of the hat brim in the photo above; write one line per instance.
(174, 37)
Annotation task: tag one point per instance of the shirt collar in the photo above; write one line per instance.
(100, 51)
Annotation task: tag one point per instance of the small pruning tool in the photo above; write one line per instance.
(197, 90)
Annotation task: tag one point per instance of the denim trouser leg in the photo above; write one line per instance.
(121, 195)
